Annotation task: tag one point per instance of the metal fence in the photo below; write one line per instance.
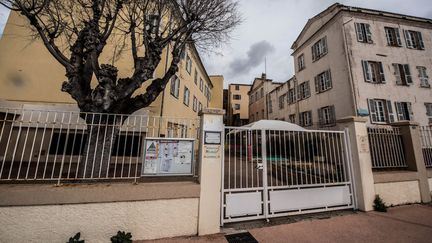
(42, 145)
(426, 141)
(386, 147)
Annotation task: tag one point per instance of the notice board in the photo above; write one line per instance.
(168, 157)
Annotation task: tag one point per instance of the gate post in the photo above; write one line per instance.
(210, 172)
(362, 180)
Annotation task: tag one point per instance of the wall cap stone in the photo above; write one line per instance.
(211, 111)
(352, 119)
(405, 123)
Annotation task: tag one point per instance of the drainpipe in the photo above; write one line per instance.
(348, 59)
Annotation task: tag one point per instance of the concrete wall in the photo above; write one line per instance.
(397, 193)
(430, 184)
(97, 222)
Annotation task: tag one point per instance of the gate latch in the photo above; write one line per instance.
(259, 166)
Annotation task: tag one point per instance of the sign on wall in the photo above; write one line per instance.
(168, 157)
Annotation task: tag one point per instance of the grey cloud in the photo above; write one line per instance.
(255, 56)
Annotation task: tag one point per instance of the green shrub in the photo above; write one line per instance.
(379, 204)
(122, 237)
(76, 239)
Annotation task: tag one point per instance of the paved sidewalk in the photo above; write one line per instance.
(411, 223)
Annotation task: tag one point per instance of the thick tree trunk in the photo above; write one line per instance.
(102, 131)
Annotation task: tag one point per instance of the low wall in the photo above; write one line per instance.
(47, 213)
(397, 193)
(430, 184)
(97, 222)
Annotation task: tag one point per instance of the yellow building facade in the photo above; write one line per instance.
(29, 75)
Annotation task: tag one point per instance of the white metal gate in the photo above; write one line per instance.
(272, 173)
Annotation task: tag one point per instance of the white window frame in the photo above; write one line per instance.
(188, 64)
(393, 36)
(319, 49)
(175, 86)
(402, 74)
(323, 82)
(282, 101)
(414, 39)
(373, 72)
(424, 78)
(404, 111)
(306, 119)
(301, 62)
(364, 34)
(195, 104)
(186, 96)
(380, 111)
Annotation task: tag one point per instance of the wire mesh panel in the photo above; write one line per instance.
(69, 145)
(386, 147)
(426, 141)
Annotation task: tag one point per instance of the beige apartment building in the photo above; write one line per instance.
(238, 104)
(31, 78)
(259, 97)
(359, 62)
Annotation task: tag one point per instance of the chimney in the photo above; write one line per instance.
(263, 76)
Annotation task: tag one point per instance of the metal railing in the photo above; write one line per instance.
(386, 147)
(426, 142)
(49, 145)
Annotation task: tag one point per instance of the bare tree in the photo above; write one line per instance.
(76, 32)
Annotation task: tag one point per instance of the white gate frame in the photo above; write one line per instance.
(265, 189)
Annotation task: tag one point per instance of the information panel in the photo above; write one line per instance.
(168, 157)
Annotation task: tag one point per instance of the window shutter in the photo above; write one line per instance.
(390, 113)
(368, 33)
(324, 45)
(366, 71)
(301, 120)
(410, 111)
(420, 40)
(397, 73)
(332, 114)
(388, 35)
(381, 70)
(408, 39)
(359, 32)
(329, 79)
(321, 116)
(372, 110)
(317, 89)
(399, 111)
(407, 72)
(313, 53)
(398, 38)
(307, 89)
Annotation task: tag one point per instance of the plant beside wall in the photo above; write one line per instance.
(76, 239)
(122, 237)
(379, 204)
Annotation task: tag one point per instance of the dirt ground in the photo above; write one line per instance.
(410, 223)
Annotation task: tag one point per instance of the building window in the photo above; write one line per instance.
(252, 97)
(262, 92)
(175, 86)
(319, 49)
(424, 79)
(291, 96)
(393, 36)
(237, 87)
(402, 74)
(327, 116)
(270, 106)
(206, 91)
(195, 104)
(237, 97)
(67, 144)
(201, 85)
(188, 64)
(373, 72)
(199, 106)
(237, 107)
(404, 111)
(364, 33)
(282, 101)
(292, 118)
(414, 39)
(196, 77)
(176, 130)
(323, 82)
(305, 119)
(304, 90)
(428, 109)
(186, 96)
(381, 111)
(301, 62)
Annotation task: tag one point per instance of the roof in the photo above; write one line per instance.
(274, 125)
(341, 7)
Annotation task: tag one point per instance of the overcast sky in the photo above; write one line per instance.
(269, 29)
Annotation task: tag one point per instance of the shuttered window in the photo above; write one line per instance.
(381, 111)
(304, 90)
(424, 78)
(305, 119)
(323, 82)
(414, 39)
(327, 116)
(402, 74)
(393, 36)
(319, 49)
(404, 111)
(364, 33)
(373, 72)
